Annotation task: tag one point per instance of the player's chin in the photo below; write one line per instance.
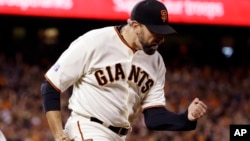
(149, 51)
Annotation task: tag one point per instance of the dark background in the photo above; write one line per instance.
(202, 43)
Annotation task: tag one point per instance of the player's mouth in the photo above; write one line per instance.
(154, 46)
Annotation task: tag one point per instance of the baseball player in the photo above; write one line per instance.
(2, 136)
(116, 72)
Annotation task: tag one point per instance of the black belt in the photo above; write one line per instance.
(118, 130)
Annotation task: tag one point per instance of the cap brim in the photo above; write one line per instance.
(161, 29)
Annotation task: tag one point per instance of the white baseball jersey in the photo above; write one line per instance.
(110, 81)
(2, 137)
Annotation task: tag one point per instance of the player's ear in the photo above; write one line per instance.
(132, 23)
(129, 21)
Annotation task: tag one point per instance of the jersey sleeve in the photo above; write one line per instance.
(156, 96)
(70, 65)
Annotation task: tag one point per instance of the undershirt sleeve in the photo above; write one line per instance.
(159, 118)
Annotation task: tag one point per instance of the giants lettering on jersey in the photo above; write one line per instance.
(136, 75)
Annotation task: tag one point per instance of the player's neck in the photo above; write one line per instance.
(127, 36)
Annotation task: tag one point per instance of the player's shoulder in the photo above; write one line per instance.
(158, 58)
(155, 59)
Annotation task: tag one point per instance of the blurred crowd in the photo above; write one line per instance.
(226, 91)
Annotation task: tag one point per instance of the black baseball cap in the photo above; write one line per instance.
(154, 15)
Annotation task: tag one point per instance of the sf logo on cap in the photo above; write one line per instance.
(164, 15)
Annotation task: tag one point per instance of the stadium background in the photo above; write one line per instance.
(195, 63)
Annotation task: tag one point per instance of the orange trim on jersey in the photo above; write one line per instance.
(155, 106)
(123, 40)
(51, 83)
(79, 128)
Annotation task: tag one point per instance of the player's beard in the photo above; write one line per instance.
(148, 47)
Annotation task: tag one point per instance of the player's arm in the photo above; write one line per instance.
(159, 118)
(51, 106)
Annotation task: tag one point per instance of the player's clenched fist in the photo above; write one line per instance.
(196, 109)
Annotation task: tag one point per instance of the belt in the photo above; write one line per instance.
(117, 130)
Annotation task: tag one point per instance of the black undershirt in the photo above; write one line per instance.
(161, 119)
